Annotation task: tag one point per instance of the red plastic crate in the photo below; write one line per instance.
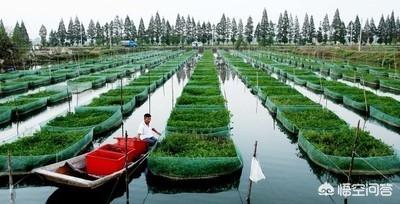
(132, 152)
(101, 162)
(139, 145)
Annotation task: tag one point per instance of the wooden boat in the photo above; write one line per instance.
(73, 173)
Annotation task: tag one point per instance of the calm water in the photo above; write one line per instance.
(291, 178)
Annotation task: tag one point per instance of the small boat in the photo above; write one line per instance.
(96, 168)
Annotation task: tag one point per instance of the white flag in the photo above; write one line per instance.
(256, 173)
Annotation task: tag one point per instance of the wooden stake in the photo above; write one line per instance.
(353, 153)
(251, 182)
(126, 148)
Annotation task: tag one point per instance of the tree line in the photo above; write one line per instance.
(287, 30)
(185, 30)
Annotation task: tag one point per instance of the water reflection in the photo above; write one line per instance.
(158, 184)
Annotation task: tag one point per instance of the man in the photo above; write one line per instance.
(145, 131)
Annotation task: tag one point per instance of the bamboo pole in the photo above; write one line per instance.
(353, 153)
(251, 182)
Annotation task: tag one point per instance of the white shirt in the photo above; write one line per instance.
(145, 131)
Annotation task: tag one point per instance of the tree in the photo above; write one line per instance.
(248, 32)
(285, 27)
(297, 36)
(381, 31)
(7, 48)
(291, 29)
(157, 28)
(70, 33)
(107, 33)
(336, 27)
(357, 30)
(127, 28)
(133, 30)
(240, 29)
(221, 29)
(83, 35)
(209, 32)
(99, 34)
(398, 29)
(53, 39)
(311, 32)
(373, 31)
(342, 33)
(43, 35)
(320, 37)
(234, 31)
(366, 33)
(257, 33)
(116, 30)
(61, 32)
(305, 31)
(150, 31)
(326, 29)
(391, 29)
(279, 34)
(264, 28)
(77, 31)
(228, 30)
(350, 32)
(25, 36)
(142, 31)
(91, 32)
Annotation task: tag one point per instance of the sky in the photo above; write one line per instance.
(34, 13)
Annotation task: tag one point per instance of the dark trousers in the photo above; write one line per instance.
(151, 141)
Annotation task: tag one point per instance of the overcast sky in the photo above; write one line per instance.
(49, 12)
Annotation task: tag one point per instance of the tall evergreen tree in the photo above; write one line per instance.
(373, 30)
(83, 35)
(61, 32)
(311, 32)
(7, 48)
(357, 30)
(391, 29)
(91, 32)
(381, 31)
(248, 31)
(25, 35)
(53, 39)
(234, 31)
(279, 34)
(350, 32)
(43, 35)
(336, 27)
(133, 30)
(142, 31)
(209, 32)
(297, 35)
(319, 36)
(342, 33)
(221, 29)
(157, 28)
(305, 31)
(99, 34)
(127, 29)
(326, 29)
(240, 29)
(71, 32)
(77, 31)
(264, 28)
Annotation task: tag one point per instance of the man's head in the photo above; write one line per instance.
(147, 118)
